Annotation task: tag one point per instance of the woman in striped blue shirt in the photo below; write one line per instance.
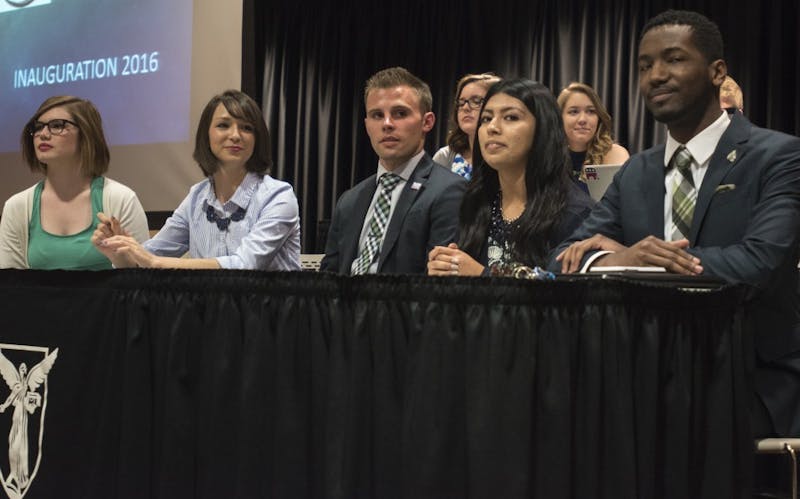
(238, 217)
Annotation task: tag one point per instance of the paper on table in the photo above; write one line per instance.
(622, 268)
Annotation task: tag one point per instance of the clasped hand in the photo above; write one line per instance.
(449, 260)
(649, 252)
(117, 245)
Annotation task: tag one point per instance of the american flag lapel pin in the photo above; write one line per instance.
(415, 186)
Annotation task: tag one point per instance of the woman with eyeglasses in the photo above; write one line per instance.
(457, 154)
(239, 217)
(50, 225)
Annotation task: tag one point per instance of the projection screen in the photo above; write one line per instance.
(148, 65)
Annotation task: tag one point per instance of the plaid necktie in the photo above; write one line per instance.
(684, 195)
(377, 225)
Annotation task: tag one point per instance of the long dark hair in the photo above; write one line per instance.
(547, 179)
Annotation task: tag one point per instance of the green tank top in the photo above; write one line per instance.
(74, 252)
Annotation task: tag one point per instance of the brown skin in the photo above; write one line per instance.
(678, 85)
(505, 137)
(649, 252)
(681, 88)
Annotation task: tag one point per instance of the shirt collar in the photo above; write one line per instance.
(241, 198)
(702, 145)
(403, 171)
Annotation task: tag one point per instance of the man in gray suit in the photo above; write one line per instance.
(720, 198)
(389, 222)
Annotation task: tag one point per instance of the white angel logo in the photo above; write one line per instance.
(25, 399)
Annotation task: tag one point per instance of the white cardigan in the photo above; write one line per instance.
(118, 201)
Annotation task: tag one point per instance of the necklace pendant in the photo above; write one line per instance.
(223, 223)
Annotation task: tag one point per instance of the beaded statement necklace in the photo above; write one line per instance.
(497, 219)
(223, 223)
(501, 251)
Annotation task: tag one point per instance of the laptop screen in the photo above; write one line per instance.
(598, 178)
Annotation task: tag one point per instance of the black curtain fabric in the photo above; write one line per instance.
(299, 385)
(307, 62)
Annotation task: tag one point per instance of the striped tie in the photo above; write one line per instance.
(377, 225)
(684, 195)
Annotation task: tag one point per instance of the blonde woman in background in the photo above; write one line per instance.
(730, 96)
(470, 92)
(588, 128)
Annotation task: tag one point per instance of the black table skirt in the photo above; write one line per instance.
(210, 384)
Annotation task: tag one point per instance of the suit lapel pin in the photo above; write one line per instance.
(415, 186)
(732, 156)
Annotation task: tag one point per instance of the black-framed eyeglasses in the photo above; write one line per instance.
(56, 127)
(473, 102)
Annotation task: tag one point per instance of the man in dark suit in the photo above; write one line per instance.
(720, 198)
(389, 222)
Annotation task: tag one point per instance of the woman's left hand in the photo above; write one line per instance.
(108, 228)
(130, 248)
(450, 260)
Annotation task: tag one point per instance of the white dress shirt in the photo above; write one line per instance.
(701, 147)
(267, 238)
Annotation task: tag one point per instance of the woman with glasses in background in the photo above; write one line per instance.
(457, 154)
(50, 225)
(239, 217)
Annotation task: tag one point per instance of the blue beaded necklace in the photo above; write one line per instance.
(223, 223)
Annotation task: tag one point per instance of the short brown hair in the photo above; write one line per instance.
(242, 107)
(397, 76)
(456, 138)
(602, 141)
(91, 139)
